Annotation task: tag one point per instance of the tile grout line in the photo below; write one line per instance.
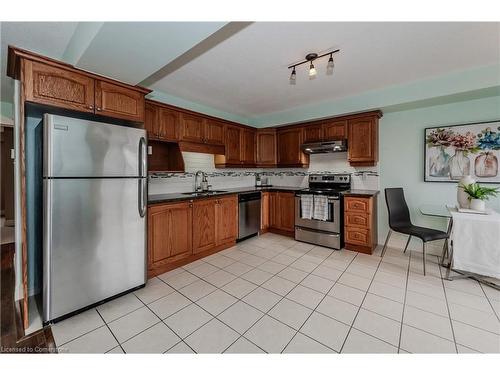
(488, 299)
(359, 309)
(314, 310)
(282, 298)
(109, 329)
(404, 302)
(448, 308)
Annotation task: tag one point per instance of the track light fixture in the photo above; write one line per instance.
(312, 70)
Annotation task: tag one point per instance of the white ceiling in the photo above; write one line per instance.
(247, 74)
(47, 38)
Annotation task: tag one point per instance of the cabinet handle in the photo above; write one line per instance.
(98, 108)
(91, 107)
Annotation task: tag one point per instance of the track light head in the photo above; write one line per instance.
(330, 66)
(293, 77)
(312, 71)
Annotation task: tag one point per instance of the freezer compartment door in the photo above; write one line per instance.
(94, 241)
(80, 148)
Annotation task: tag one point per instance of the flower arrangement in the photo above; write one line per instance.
(489, 140)
(440, 137)
(464, 142)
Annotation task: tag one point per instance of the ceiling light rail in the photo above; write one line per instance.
(310, 57)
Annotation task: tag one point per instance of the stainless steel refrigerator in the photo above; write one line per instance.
(95, 199)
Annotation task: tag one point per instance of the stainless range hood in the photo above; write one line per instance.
(324, 147)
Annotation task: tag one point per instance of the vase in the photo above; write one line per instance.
(462, 196)
(486, 165)
(477, 205)
(439, 162)
(459, 165)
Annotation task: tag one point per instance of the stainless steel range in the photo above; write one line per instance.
(319, 217)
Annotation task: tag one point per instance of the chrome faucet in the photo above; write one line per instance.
(197, 187)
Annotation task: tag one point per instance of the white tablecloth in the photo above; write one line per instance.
(476, 243)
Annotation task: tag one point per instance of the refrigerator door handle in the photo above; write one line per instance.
(142, 197)
(142, 157)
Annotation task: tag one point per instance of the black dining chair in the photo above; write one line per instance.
(399, 221)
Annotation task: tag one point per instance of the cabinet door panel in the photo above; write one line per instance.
(287, 211)
(117, 101)
(363, 141)
(203, 225)
(233, 144)
(264, 211)
(214, 132)
(313, 133)
(266, 147)
(192, 128)
(335, 130)
(169, 233)
(357, 236)
(248, 146)
(227, 220)
(151, 120)
(49, 85)
(289, 142)
(274, 211)
(169, 124)
(181, 230)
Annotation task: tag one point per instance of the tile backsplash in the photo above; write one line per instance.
(161, 183)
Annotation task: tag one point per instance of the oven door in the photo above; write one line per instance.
(331, 225)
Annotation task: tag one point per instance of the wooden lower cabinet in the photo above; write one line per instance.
(264, 212)
(179, 233)
(169, 235)
(282, 213)
(360, 223)
(203, 225)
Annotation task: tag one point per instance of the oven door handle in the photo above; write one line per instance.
(315, 231)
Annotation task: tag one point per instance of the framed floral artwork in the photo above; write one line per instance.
(460, 150)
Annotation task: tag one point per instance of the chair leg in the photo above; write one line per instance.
(385, 244)
(423, 254)
(407, 243)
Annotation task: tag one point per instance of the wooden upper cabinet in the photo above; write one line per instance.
(233, 144)
(226, 218)
(313, 133)
(266, 148)
(204, 225)
(214, 132)
(363, 141)
(169, 124)
(117, 101)
(335, 130)
(169, 234)
(152, 120)
(50, 85)
(247, 156)
(192, 128)
(289, 152)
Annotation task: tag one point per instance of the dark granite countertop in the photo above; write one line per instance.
(361, 193)
(178, 197)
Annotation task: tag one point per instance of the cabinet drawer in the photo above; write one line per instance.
(357, 204)
(357, 219)
(357, 236)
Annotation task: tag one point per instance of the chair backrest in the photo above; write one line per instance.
(399, 215)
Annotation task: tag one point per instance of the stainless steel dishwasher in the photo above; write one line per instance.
(249, 214)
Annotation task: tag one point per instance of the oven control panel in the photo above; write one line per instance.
(330, 178)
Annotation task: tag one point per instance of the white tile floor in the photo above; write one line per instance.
(272, 294)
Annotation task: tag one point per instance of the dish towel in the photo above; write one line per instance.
(320, 211)
(306, 206)
(476, 243)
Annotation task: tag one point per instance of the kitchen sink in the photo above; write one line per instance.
(202, 193)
